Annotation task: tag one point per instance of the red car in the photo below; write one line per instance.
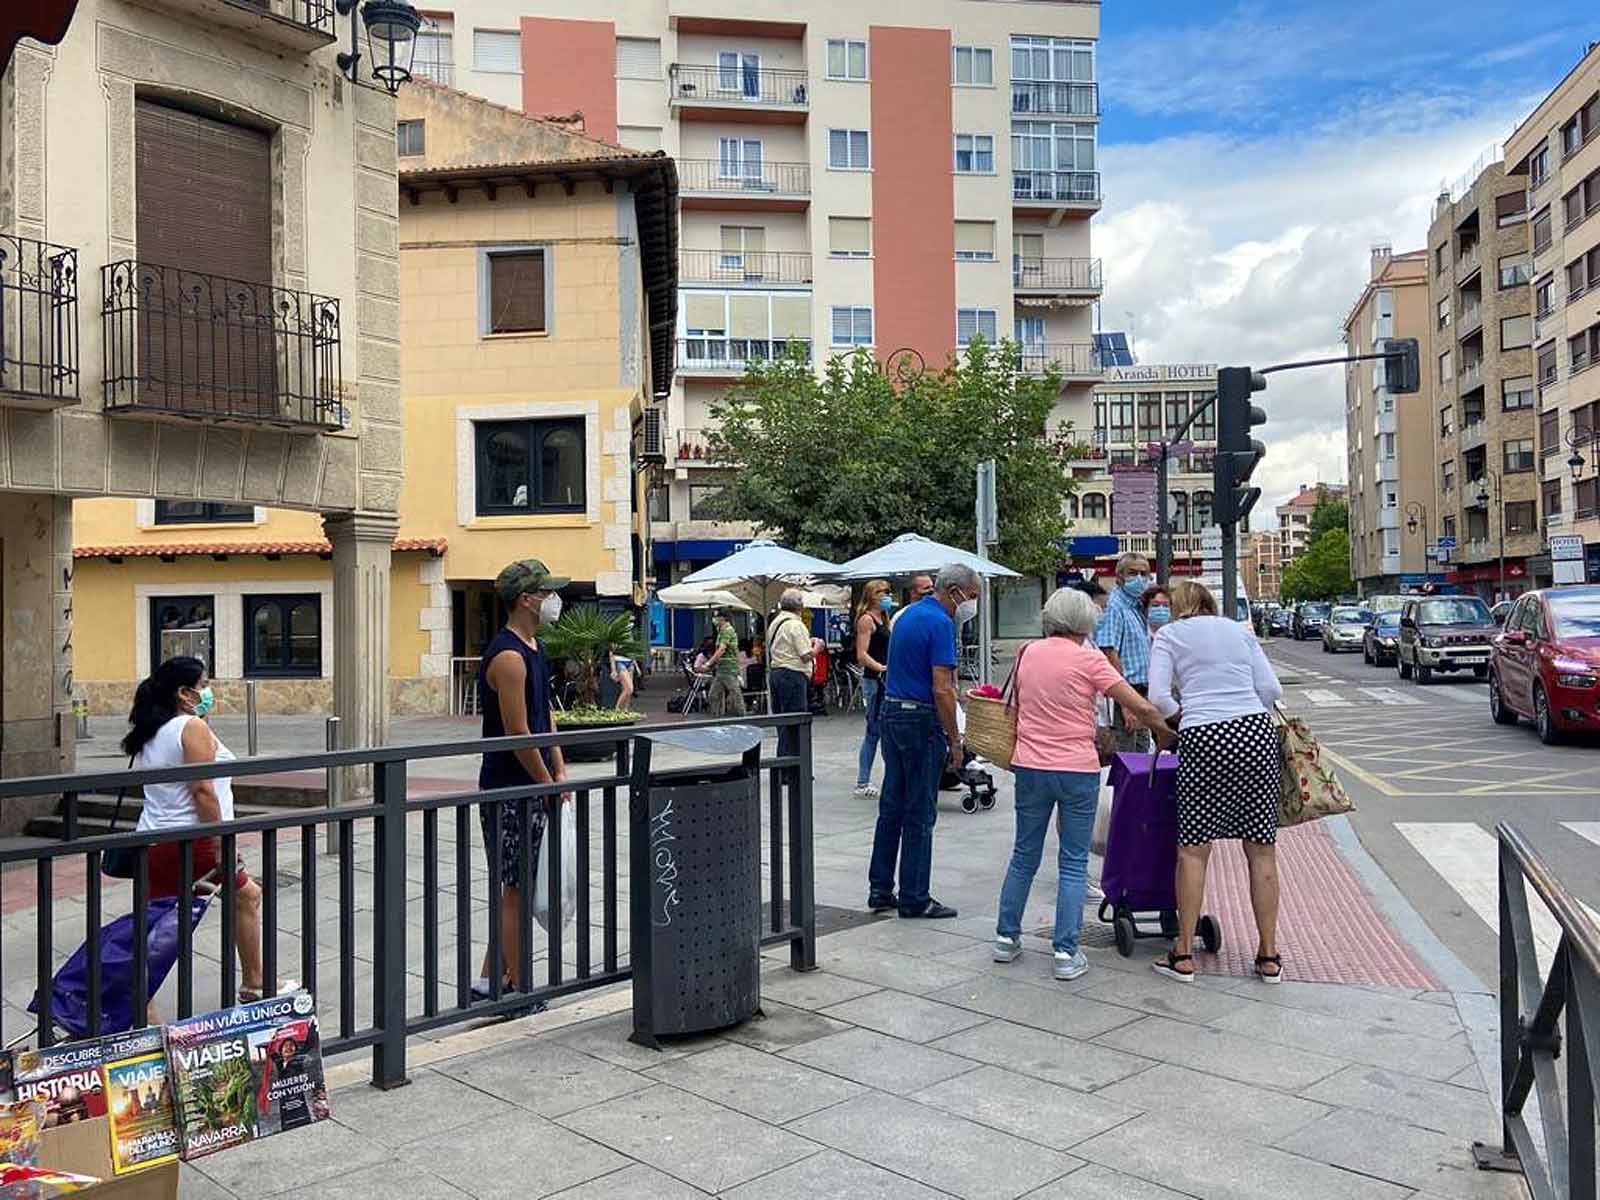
(1545, 664)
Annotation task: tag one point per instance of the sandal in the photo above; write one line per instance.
(254, 996)
(1272, 960)
(1168, 966)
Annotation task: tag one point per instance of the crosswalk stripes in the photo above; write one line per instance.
(1385, 695)
(1589, 830)
(1323, 698)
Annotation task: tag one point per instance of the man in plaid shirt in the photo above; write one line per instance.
(1125, 637)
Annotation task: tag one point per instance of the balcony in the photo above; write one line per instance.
(1470, 322)
(1386, 422)
(1056, 276)
(1471, 376)
(300, 25)
(1048, 190)
(694, 449)
(1091, 450)
(182, 344)
(1387, 470)
(1388, 518)
(748, 268)
(38, 323)
(765, 95)
(1468, 263)
(707, 183)
(1473, 434)
(1075, 360)
(1055, 97)
(716, 356)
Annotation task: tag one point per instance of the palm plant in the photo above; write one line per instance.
(586, 636)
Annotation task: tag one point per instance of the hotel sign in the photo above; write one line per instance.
(1170, 373)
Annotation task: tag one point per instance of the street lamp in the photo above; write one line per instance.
(391, 27)
(1417, 517)
(1576, 438)
(1499, 500)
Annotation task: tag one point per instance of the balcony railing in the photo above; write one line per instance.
(694, 449)
(1471, 375)
(754, 180)
(38, 319)
(693, 83)
(755, 267)
(1471, 321)
(1055, 274)
(1072, 359)
(1467, 261)
(1054, 96)
(439, 72)
(719, 354)
(1056, 187)
(198, 345)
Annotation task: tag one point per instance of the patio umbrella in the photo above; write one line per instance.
(912, 554)
(688, 595)
(763, 561)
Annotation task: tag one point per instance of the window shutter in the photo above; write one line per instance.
(755, 240)
(705, 310)
(839, 147)
(516, 292)
(966, 325)
(496, 51)
(1511, 205)
(975, 237)
(863, 326)
(859, 153)
(638, 58)
(850, 235)
(791, 317)
(747, 317)
(841, 327)
(732, 239)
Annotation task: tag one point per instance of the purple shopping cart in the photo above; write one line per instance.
(1139, 876)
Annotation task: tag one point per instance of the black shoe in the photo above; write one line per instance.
(933, 912)
(882, 902)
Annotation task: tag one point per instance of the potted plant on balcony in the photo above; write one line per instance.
(586, 639)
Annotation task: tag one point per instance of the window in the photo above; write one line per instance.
(975, 154)
(496, 51)
(972, 66)
(1585, 494)
(1544, 297)
(739, 158)
(1052, 146)
(1516, 333)
(201, 512)
(848, 150)
(852, 326)
(1550, 497)
(1178, 511)
(1539, 165)
(846, 59)
(1444, 313)
(283, 636)
(640, 137)
(743, 249)
(1513, 271)
(1444, 367)
(1029, 335)
(1445, 428)
(1386, 446)
(638, 58)
(975, 240)
(850, 237)
(1051, 58)
(1070, 506)
(1518, 455)
(1448, 527)
(1094, 506)
(703, 502)
(1510, 208)
(1439, 260)
(739, 73)
(183, 625)
(530, 466)
(1541, 231)
(1520, 516)
(1549, 432)
(1177, 410)
(977, 322)
(1149, 411)
(409, 138)
(1516, 393)
(1202, 510)
(1583, 273)
(1547, 364)
(436, 57)
(512, 289)
(1447, 477)
(1119, 418)
(1584, 348)
(1204, 428)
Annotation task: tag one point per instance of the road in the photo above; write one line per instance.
(1431, 776)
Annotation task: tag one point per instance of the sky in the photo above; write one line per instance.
(1253, 151)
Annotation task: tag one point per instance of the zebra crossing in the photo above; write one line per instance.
(1349, 695)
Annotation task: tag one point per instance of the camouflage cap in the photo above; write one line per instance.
(527, 575)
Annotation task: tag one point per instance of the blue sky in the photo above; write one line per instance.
(1253, 152)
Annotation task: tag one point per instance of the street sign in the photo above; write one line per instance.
(1566, 547)
(1446, 542)
(1442, 555)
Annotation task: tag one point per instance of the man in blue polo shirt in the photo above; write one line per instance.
(919, 738)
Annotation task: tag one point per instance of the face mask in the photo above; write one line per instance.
(550, 609)
(1135, 585)
(966, 610)
(205, 703)
(1160, 614)
(886, 603)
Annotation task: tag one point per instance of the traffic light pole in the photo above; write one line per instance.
(1163, 520)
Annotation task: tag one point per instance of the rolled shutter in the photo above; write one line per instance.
(755, 240)
(516, 292)
(791, 317)
(747, 317)
(496, 51)
(975, 237)
(850, 235)
(705, 311)
(638, 58)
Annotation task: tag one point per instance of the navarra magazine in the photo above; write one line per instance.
(144, 1130)
(65, 1078)
(246, 1073)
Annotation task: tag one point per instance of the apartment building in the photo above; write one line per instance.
(1261, 565)
(1555, 154)
(906, 175)
(1389, 439)
(1294, 519)
(1486, 487)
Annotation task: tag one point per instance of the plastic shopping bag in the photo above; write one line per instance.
(569, 874)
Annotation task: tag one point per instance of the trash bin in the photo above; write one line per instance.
(695, 885)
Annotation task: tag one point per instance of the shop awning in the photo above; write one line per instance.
(434, 546)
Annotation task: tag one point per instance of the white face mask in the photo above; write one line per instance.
(550, 609)
(966, 610)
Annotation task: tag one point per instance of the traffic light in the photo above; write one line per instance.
(1237, 452)
(1402, 372)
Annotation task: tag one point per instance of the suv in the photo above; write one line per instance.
(1546, 665)
(1308, 618)
(1444, 633)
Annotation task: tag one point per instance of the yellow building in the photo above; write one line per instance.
(537, 286)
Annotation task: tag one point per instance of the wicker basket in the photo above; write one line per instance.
(992, 728)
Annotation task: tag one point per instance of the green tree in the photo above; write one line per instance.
(1323, 571)
(1331, 513)
(836, 464)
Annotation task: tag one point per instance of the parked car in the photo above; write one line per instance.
(1546, 663)
(1344, 628)
(1443, 634)
(1380, 639)
(1308, 618)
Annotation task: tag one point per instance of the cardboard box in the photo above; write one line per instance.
(84, 1147)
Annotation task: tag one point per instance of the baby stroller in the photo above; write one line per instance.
(974, 775)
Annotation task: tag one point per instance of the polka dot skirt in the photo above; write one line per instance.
(1228, 775)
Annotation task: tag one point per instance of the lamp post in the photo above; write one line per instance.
(1417, 517)
(391, 27)
(1500, 505)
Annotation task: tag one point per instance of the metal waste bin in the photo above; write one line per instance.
(695, 885)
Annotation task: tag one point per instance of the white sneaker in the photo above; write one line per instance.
(1093, 891)
(1007, 949)
(1070, 966)
(865, 791)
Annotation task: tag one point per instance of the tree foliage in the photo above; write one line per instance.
(838, 464)
(1331, 513)
(1323, 571)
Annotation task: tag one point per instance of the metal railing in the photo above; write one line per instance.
(381, 875)
(750, 179)
(1561, 1164)
(200, 345)
(317, 15)
(436, 70)
(1471, 375)
(755, 267)
(696, 83)
(694, 448)
(719, 353)
(1070, 358)
(38, 318)
(1055, 96)
(1055, 274)
(1056, 187)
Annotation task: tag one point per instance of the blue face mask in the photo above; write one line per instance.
(1135, 585)
(205, 703)
(886, 603)
(1160, 614)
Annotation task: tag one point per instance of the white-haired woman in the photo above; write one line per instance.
(1057, 681)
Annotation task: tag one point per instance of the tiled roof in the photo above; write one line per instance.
(175, 549)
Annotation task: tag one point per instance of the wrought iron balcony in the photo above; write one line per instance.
(1055, 274)
(203, 346)
(303, 25)
(709, 85)
(1055, 187)
(1075, 360)
(694, 449)
(718, 354)
(1055, 96)
(38, 320)
(757, 268)
(753, 181)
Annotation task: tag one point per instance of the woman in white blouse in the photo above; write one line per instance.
(1228, 763)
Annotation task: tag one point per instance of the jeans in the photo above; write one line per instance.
(788, 695)
(869, 744)
(727, 696)
(1039, 795)
(914, 753)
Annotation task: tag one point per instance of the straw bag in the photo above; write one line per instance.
(992, 723)
(1307, 787)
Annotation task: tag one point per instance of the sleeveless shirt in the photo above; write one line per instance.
(500, 767)
(171, 805)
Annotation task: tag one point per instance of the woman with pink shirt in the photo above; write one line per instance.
(1058, 680)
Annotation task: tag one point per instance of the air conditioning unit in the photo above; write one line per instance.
(653, 440)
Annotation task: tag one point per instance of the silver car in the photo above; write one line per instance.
(1345, 628)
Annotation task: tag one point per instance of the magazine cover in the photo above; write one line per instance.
(144, 1131)
(245, 1073)
(20, 1123)
(65, 1077)
(7, 1092)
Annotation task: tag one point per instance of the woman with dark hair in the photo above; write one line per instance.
(167, 728)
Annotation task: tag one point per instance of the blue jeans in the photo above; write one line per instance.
(1039, 796)
(788, 696)
(869, 743)
(914, 751)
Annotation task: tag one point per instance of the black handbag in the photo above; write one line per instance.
(119, 862)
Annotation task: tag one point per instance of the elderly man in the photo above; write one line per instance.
(917, 727)
(1124, 635)
(790, 653)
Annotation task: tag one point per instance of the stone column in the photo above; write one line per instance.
(362, 544)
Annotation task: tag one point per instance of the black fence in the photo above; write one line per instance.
(1055, 187)
(738, 83)
(181, 342)
(38, 319)
(1560, 1164)
(717, 352)
(750, 179)
(755, 267)
(313, 14)
(396, 856)
(1070, 358)
(1055, 96)
(1055, 274)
